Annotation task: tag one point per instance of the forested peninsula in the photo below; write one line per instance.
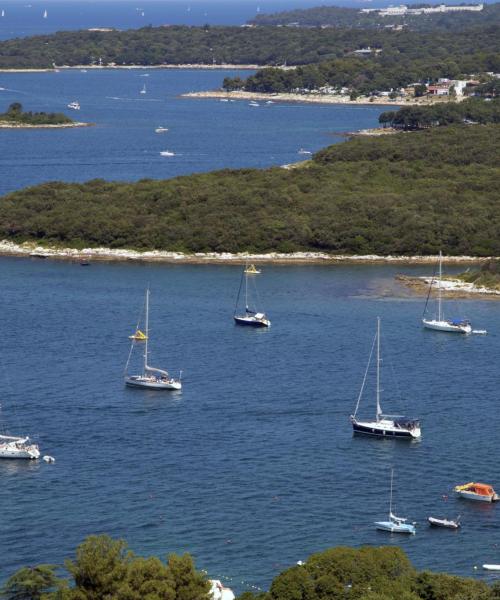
(15, 116)
(405, 194)
(106, 568)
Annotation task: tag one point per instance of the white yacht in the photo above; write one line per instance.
(151, 377)
(18, 447)
(388, 426)
(161, 129)
(74, 105)
(439, 322)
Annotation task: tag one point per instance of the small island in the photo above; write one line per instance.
(15, 117)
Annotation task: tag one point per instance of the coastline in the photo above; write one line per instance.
(303, 98)
(30, 249)
(7, 125)
(450, 286)
(197, 66)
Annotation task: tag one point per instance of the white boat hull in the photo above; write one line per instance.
(12, 451)
(476, 497)
(395, 528)
(491, 567)
(446, 326)
(152, 383)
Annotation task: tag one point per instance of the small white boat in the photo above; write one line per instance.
(49, 459)
(167, 153)
(74, 105)
(224, 100)
(305, 152)
(253, 103)
(385, 426)
(446, 523)
(218, 591)
(83, 70)
(438, 322)
(252, 270)
(161, 129)
(490, 567)
(481, 492)
(269, 102)
(45, 14)
(251, 318)
(3, 13)
(395, 524)
(18, 447)
(151, 377)
(143, 91)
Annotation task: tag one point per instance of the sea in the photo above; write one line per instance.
(253, 465)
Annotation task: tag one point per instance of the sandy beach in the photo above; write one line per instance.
(9, 248)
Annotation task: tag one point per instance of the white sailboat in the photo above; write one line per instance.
(388, 426)
(143, 91)
(395, 524)
(18, 447)
(44, 14)
(439, 322)
(251, 317)
(3, 12)
(151, 377)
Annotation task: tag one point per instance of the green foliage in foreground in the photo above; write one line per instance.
(408, 193)
(15, 114)
(474, 110)
(104, 569)
(487, 276)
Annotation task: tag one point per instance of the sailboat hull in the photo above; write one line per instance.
(395, 527)
(252, 321)
(11, 451)
(446, 326)
(384, 429)
(152, 383)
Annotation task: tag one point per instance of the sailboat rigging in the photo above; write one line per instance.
(395, 524)
(252, 318)
(391, 426)
(151, 377)
(439, 323)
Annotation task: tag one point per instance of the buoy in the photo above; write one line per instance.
(49, 459)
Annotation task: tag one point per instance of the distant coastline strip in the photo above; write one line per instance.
(9, 248)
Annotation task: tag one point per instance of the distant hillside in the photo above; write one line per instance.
(340, 17)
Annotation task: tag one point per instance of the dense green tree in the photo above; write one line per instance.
(31, 583)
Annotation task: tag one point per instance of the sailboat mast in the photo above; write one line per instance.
(439, 285)
(246, 290)
(379, 411)
(390, 501)
(147, 331)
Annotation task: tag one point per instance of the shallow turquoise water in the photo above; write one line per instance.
(253, 466)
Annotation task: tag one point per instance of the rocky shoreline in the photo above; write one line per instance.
(9, 125)
(30, 249)
(450, 287)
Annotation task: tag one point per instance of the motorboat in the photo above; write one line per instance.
(491, 567)
(167, 153)
(439, 322)
(446, 523)
(252, 270)
(302, 151)
(253, 103)
(218, 591)
(151, 377)
(250, 317)
(482, 492)
(385, 426)
(161, 129)
(74, 105)
(395, 524)
(18, 447)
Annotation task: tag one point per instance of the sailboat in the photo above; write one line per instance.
(44, 14)
(143, 91)
(391, 426)
(251, 317)
(439, 323)
(18, 447)
(151, 377)
(395, 524)
(3, 12)
(251, 270)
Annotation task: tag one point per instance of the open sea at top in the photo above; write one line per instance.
(253, 466)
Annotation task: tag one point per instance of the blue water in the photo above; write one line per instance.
(25, 17)
(253, 466)
(203, 134)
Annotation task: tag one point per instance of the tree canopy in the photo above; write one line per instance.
(15, 114)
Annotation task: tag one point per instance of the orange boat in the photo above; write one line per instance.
(477, 491)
